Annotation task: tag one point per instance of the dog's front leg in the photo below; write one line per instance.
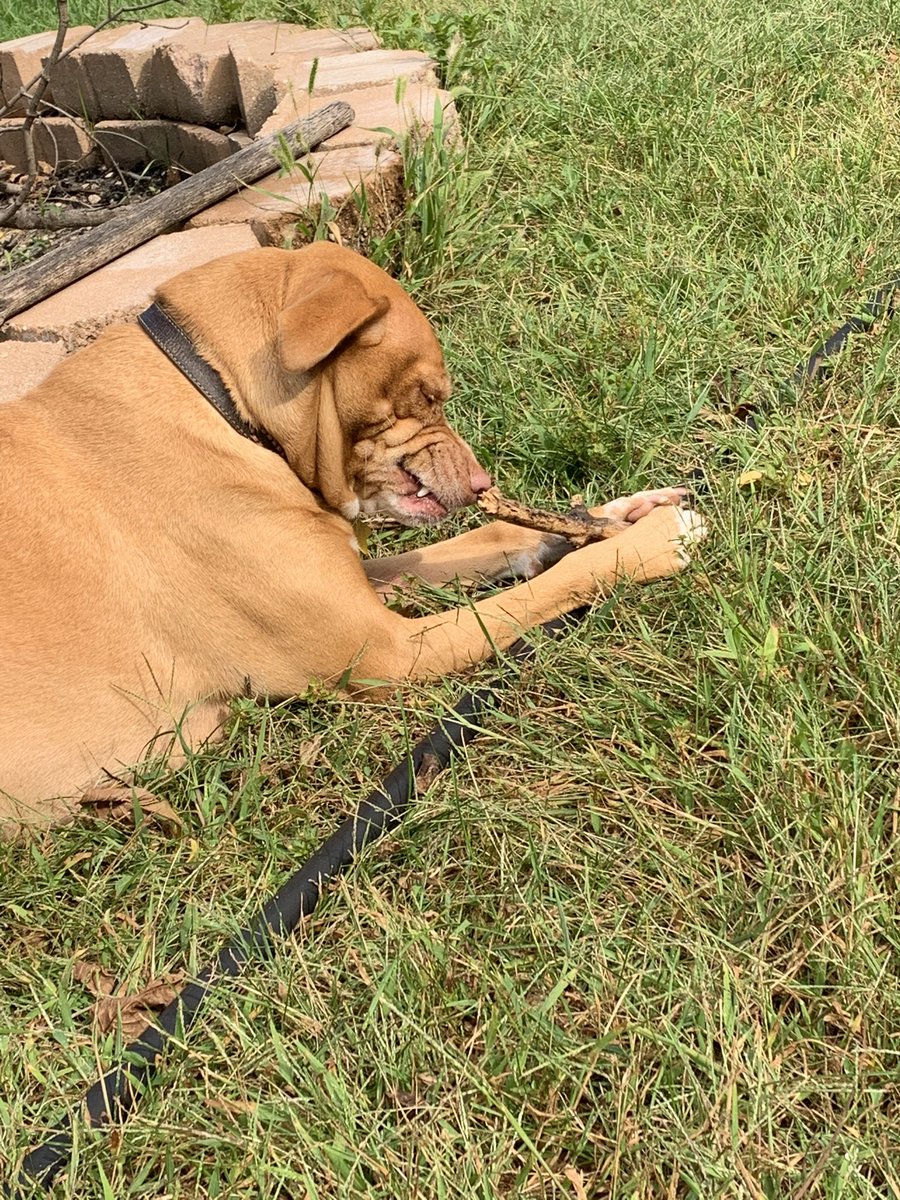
(499, 551)
(493, 552)
(429, 647)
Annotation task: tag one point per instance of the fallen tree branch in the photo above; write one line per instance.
(135, 224)
(577, 525)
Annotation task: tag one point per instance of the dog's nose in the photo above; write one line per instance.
(480, 480)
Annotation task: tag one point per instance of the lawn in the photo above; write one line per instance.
(642, 940)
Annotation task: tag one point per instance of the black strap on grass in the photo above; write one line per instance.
(112, 1098)
(883, 305)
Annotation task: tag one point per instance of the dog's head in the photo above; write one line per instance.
(347, 375)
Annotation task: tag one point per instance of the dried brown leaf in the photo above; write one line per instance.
(133, 1011)
(308, 752)
(95, 980)
(116, 803)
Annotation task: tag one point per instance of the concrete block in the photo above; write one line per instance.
(257, 56)
(58, 141)
(23, 58)
(256, 92)
(120, 290)
(190, 147)
(109, 77)
(23, 365)
(264, 83)
(193, 77)
(240, 139)
(271, 39)
(398, 109)
(276, 205)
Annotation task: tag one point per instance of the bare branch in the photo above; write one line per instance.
(54, 216)
(31, 112)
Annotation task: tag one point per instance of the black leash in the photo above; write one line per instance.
(883, 304)
(113, 1097)
(179, 349)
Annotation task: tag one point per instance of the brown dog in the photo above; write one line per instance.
(157, 563)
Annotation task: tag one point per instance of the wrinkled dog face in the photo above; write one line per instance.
(411, 465)
(406, 462)
(381, 444)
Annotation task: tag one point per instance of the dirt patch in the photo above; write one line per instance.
(76, 188)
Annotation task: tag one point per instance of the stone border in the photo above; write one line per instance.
(191, 94)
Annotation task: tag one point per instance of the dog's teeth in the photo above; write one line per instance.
(423, 491)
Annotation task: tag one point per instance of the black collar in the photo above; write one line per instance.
(179, 349)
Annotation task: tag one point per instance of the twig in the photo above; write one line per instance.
(31, 112)
(53, 216)
(577, 525)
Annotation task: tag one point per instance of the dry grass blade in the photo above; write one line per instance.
(576, 1179)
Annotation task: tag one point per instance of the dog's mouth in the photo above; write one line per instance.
(416, 500)
(417, 484)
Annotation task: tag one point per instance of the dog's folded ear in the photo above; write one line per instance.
(317, 322)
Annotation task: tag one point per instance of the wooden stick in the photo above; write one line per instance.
(131, 228)
(578, 525)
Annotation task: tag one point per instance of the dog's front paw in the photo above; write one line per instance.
(661, 542)
(658, 545)
(640, 504)
(691, 530)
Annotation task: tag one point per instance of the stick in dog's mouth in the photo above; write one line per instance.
(577, 525)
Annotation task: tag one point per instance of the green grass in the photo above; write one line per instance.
(644, 937)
